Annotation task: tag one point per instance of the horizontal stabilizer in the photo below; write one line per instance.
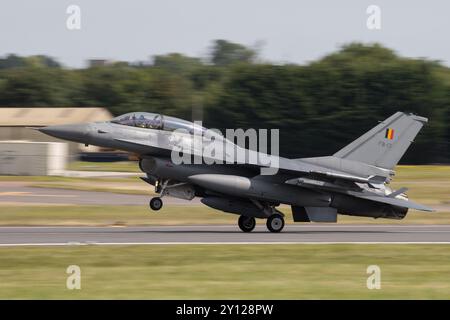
(394, 201)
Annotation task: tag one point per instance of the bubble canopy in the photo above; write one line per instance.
(156, 121)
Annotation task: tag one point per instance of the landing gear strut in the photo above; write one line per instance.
(275, 223)
(156, 203)
(246, 224)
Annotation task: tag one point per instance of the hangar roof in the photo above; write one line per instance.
(51, 116)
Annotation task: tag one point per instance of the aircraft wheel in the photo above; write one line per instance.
(275, 223)
(246, 224)
(156, 203)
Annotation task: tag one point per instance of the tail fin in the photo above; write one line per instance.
(384, 145)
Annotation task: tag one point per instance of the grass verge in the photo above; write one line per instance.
(226, 272)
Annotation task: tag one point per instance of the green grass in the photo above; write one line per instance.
(226, 272)
(426, 184)
(420, 173)
(168, 215)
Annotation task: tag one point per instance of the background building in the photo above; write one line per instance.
(14, 123)
(26, 158)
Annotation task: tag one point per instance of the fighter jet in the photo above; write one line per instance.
(353, 181)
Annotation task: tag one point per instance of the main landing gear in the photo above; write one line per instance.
(246, 224)
(275, 223)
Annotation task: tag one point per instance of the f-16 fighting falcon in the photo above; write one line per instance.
(353, 181)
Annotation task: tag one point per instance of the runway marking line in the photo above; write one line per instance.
(212, 226)
(68, 244)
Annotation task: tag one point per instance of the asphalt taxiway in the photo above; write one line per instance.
(223, 234)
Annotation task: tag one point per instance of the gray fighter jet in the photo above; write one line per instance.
(353, 181)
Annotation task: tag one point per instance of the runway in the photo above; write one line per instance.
(223, 234)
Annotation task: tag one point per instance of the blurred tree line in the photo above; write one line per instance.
(319, 107)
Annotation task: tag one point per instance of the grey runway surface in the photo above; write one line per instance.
(227, 234)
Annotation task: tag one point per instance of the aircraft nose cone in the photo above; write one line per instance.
(72, 132)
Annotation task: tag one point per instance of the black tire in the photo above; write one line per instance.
(156, 203)
(275, 223)
(246, 224)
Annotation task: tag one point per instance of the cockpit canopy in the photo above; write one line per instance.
(156, 121)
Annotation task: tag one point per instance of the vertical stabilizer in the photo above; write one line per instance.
(384, 145)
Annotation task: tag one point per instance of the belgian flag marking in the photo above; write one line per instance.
(389, 134)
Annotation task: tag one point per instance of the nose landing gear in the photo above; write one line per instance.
(156, 203)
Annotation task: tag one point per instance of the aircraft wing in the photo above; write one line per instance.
(373, 181)
(336, 179)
